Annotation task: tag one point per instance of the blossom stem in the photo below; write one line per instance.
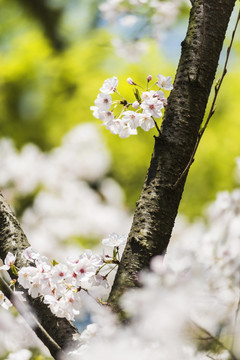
(114, 267)
(159, 131)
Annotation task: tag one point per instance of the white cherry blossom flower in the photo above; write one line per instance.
(109, 85)
(115, 240)
(34, 290)
(106, 116)
(95, 111)
(114, 126)
(132, 118)
(146, 122)
(164, 82)
(146, 95)
(126, 131)
(25, 275)
(59, 272)
(103, 102)
(152, 107)
(9, 260)
(135, 104)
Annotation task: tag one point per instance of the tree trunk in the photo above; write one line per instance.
(158, 205)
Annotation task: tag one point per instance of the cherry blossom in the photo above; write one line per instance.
(9, 260)
(106, 116)
(114, 240)
(132, 118)
(103, 102)
(149, 77)
(109, 85)
(146, 122)
(130, 81)
(164, 82)
(197, 282)
(152, 107)
(139, 113)
(135, 104)
(63, 285)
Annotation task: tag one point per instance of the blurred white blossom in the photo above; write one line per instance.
(151, 18)
(73, 198)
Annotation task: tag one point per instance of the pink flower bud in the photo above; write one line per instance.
(149, 78)
(130, 81)
(135, 105)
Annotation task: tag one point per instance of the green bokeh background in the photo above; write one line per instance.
(50, 75)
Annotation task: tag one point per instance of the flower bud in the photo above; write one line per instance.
(135, 105)
(130, 81)
(149, 78)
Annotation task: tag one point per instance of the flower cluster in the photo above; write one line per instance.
(197, 282)
(59, 181)
(188, 304)
(142, 113)
(64, 286)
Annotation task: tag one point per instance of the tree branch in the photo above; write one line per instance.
(13, 239)
(158, 205)
(23, 310)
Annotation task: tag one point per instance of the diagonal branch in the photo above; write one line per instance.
(13, 239)
(158, 205)
(23, 309)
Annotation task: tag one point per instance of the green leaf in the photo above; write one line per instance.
(137, 95)
(14, 270)
(54, 262)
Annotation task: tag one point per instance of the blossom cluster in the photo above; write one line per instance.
(65, 285)
(74, 175)
(187, 307)
(188, 304)
(142, 113)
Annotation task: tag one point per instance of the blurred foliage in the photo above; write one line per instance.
(46, 89)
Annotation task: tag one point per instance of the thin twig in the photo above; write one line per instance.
(159, 131)
(212, 109)
(216, 340)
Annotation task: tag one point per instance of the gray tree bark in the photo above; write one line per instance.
(158, 205)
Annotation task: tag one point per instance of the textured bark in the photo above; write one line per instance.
(13, 239)
(157, 207)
